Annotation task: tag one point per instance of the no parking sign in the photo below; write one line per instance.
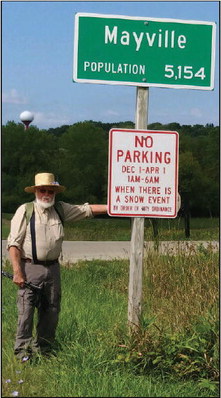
(143, 173)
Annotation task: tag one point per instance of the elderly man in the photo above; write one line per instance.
(34, 245)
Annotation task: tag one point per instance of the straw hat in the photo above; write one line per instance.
(45, 180)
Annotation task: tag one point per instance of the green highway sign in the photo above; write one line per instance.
(138, 51)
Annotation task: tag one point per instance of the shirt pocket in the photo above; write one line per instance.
(56, 230)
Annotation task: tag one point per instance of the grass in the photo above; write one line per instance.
(96, 354)
(114, 229)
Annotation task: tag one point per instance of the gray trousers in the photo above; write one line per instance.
(47, 305)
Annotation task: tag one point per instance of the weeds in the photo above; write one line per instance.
(190, 354)
(174, 353)
(177, 289)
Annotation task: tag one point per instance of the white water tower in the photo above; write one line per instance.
(26, 118)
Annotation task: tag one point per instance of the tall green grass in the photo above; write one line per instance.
(114, 228)
(173, 354)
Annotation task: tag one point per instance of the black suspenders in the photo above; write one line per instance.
(33, 238)
(33, 234)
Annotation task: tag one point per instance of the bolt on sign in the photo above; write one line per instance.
(114, 49)
(143, 173)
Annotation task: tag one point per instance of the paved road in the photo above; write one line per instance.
(74, 251)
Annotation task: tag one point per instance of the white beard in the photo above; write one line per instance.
(45, 205)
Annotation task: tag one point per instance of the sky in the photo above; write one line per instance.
(37, 67)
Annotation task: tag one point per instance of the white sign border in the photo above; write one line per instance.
(113, 82)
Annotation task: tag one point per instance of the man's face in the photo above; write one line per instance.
(45, 195)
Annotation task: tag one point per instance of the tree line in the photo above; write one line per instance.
(78, 156)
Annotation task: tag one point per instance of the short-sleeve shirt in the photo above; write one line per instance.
(48, 228)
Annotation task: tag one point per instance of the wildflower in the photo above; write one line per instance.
(24, 359)
(18, 371)
(20, 381)
(8, 381)
(15, 394)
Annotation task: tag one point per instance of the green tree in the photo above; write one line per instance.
(77, 155)
(83, 163)
(24, 153)
(155, 126)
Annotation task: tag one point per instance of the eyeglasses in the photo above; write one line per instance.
(49, 191)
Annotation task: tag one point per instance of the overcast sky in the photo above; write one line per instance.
(37, 65)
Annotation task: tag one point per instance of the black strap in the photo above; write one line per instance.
(59, 214)
(33, 238)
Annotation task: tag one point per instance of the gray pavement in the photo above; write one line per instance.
(73, 251)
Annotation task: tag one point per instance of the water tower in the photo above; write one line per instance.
(26, 118)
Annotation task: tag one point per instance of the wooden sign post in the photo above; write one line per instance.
(143, 182)
(137, 231)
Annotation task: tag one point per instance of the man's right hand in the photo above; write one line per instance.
(18, 279)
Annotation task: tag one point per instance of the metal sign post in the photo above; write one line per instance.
(137, 231)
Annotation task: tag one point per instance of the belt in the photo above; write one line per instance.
(44, 262)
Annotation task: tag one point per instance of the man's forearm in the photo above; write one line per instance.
(15, 257)
(98, 209)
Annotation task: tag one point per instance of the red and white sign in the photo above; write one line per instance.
(143, 173)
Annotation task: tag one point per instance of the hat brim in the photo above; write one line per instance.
(57, 188)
